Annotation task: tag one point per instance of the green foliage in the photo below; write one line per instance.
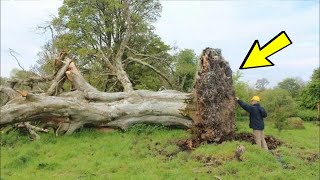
(292, 85)
(279, 105)
(242, 90)
(145, 128)
(150, 82)
(295, 123)
(308, 115)
(274, 99)
(20, 74)
(131, 155)
(185, 63)
(12, 139)
(45, 63)
(279, 116)
(86, 27)
(310, 96)
(3, 81)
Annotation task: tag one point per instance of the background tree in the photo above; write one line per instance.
(108, 36)
(185, 63)
(243, 91)
(21, 75)
(292, 85)
(261, 84)
(310, 96)
(150, 67)
(3, 81)
(45, 63)
(279, 105)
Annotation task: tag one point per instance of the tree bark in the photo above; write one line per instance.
(209, 110)
(73, 110)
(121, 73)
(110, 109)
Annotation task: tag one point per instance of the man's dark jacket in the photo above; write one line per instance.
(257, 113)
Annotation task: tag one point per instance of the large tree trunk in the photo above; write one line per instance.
(72, 110)
(210, 107)
(101, 109)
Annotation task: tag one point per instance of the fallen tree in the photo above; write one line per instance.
(209, 110)
(70, 111)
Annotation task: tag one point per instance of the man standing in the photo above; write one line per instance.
(257, 113)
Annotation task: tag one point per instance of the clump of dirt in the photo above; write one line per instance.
(313, 157)
(309, 156)
(190, 144)
(272, 142)
(209, 160)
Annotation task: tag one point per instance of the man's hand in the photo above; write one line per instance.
(237, 98)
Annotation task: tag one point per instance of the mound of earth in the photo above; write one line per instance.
(190, 144)
(272, 142)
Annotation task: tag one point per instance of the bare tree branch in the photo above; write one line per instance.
(121, 74)
(45, 28)
(115, 83)
(106, 57)
(57, 80)
(135, 52)
(151, 67)
(12, 53)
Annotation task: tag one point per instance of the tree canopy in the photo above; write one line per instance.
(292, 85)
(310, 96)
(110, 40)
(262, 84)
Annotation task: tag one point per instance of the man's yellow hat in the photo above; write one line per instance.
(255, 98)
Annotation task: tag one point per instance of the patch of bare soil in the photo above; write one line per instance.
(309, 156)
(272, 142)
(209, 160)
(313, 157)
(190, 144)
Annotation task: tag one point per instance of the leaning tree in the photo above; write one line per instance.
(112, 41)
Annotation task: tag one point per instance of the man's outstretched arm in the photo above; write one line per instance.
(244, 105)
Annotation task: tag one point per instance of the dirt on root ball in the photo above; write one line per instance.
(215, 100)
(215, 103)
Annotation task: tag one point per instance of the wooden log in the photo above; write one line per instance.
(210, 107)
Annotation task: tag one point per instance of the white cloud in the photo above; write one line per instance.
(18, 22)
(234, 25)
(229, 25)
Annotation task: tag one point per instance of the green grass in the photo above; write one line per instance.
(150, 153)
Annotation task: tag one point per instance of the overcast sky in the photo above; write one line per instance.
(229, 25)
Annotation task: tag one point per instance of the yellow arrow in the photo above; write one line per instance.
(258, 57)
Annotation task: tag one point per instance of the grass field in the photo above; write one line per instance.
(147, 152)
